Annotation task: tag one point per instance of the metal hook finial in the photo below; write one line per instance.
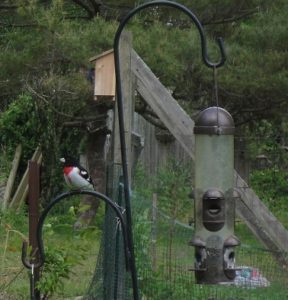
(193, 17)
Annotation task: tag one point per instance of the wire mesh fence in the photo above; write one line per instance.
(165, 260)
(163, 256)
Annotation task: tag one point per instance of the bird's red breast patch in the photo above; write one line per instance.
(67, 170)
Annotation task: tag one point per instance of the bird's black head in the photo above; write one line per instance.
(69, 161)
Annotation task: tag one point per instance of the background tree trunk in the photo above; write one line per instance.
(97, 169)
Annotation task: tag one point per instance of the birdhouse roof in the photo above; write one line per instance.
(94, 58)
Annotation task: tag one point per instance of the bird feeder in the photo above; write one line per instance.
(214, 239)
(105, 82)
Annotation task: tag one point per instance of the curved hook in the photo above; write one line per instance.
(27, 261)
(67, 195)
(189, 14)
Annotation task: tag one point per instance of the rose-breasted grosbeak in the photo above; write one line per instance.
(75, 175)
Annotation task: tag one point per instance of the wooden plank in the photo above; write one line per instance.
(253, 223)
(22, 190)
(181, 126)
(137, 145)
(127, 92)
(128, 96)
(156, 154)
(11, 179)
(163, 104)
(24, 195)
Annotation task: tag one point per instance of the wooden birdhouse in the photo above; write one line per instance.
(105, 80)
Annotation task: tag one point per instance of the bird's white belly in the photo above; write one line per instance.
(74, 180)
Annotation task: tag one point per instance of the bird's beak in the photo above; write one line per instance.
(62, 159)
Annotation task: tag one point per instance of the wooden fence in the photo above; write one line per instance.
(158, 146)
(137, 77)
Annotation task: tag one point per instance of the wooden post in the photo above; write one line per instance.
(128, 97)
(114, 289)
(22, 190)
(33, 209)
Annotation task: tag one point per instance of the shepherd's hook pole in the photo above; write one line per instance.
(121, 109)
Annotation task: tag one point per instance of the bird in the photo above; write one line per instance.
(76, 177)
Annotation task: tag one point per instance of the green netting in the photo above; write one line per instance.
(110, 279)
(171, 278)
(164, 260)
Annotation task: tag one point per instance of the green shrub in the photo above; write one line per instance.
(271, 187)
(19, 125)
(58, 266)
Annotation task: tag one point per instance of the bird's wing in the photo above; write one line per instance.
(85, 174)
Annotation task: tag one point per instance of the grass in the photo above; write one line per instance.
(79, 249)
(82, 248)
(13, 276)
(178, 282)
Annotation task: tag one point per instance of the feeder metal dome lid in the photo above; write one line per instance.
(213, 194)
(214, 120)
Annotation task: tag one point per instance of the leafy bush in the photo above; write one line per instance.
(57, 267)
(19, 125)
(271, 187)
(173, 186)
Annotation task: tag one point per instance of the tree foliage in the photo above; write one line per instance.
(48, 62)
(19, 125)
(45, 48)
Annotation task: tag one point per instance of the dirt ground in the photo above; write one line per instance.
(4, 296)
